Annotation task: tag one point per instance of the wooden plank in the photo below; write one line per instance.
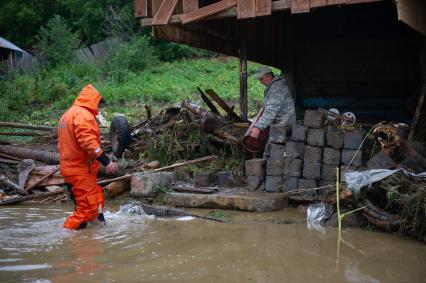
(335, 2)
(281, 5)
(246, 9)
(155, 5)
(418, 111)
(141, 8)
(243, 81)
(207, 11)
(317, 3)
(413, 13)
(207, 101)
(231, 113)
(263, 8)
(299, 6)
(189, 5)
(164, 12)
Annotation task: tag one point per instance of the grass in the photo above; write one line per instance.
(42, 97)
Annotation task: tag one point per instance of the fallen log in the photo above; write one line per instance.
(47, 157)
(26, 126)
(210, 121)
(116, 188)
(231, 113)
(4, 181)
(10, 157)
(30, 197)
(23, 134)
(41, 180)
(207, 101)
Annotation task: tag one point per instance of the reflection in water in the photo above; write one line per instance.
(134, 247)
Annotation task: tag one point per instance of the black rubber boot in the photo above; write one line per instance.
(82, 225)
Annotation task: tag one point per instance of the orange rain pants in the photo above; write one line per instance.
(89, 198)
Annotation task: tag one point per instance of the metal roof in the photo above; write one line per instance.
(9, 45)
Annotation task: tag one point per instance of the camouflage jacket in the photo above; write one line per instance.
(278, 103)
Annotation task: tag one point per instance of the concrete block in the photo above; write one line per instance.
(312, 170)
(348, 154)
(313, 154)
(274, 167)
(316, 137)
(331, 156)
(295, 149)
(204, 179)
(255, 182)
(225, 179)
(380, 160)
(277, 151)
(255, 167)
(299, 133)
(306, 184)
(328, 172)
(291, 184)
(145, 183)
(292, 167)
(314, 119)
(353, 139)
(273, 183)
(334, 138)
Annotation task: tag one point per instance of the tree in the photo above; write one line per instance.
(57, 42)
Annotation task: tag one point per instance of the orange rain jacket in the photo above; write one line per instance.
(79, 135)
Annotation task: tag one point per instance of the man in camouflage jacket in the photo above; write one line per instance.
(279, 107)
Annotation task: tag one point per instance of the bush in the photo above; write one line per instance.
(133, 56)
(170, 51)
(57, 42)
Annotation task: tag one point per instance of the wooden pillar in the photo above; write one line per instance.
(243, 80)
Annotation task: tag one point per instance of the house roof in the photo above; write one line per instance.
(9, 45)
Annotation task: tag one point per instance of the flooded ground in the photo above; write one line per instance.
(255, 248)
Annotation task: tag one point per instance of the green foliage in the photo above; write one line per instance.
(220, 215)
(170, 51)
(127, 57)
(57, 42)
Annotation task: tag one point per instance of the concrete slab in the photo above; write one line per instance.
(232, 200)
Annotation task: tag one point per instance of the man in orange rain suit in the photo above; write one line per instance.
(80, 154)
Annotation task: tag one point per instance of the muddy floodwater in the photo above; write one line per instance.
(269, 247)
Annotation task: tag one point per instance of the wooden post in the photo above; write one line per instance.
(243, 80)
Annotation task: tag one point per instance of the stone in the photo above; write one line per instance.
(291, 184)
(313, 154)
(274, 167)
(334, 138)
(306, 184)
(273, 183)
(295, 149)
(292, 167)
(316, 137)
(204, 179)
(314, 119)
(225, 179)
(380, 160)
(145, 183)
(328, 172)
(299, 133)
(255, 167)
(312, 170)
(277, 151)
(353, 139)
(331, 156)
(248, 201)
(255, 182)
(348, 154)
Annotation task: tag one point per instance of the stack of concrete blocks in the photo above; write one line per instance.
(314, 153)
